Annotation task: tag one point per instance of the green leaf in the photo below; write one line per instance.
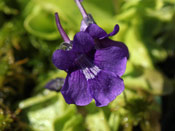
(42, 110)
(138, 52)
(74, 124)
(41, 23)
(97, 122)
(114, 121)
(60, 122)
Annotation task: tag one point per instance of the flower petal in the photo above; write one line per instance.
(111, 59)
(105, 87)
(101, 37)
(63, 59)
(75, 89)
(95, 31)
(105, 43)
(115, 31)
(83, 42)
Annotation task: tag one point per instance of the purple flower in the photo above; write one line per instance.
(93, 62)
(55, 84)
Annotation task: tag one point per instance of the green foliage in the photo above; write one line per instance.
(28, 37)
(5, 120)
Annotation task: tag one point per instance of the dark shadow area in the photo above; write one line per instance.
(168, 104)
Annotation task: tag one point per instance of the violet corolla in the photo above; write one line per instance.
(93, 62)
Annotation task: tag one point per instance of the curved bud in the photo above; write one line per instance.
(61, 30)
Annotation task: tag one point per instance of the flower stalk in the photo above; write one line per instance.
(81, 8)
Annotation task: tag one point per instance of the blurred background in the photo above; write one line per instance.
(28, 37)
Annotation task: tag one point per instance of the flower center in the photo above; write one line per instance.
(89, 70)
(91, 73)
